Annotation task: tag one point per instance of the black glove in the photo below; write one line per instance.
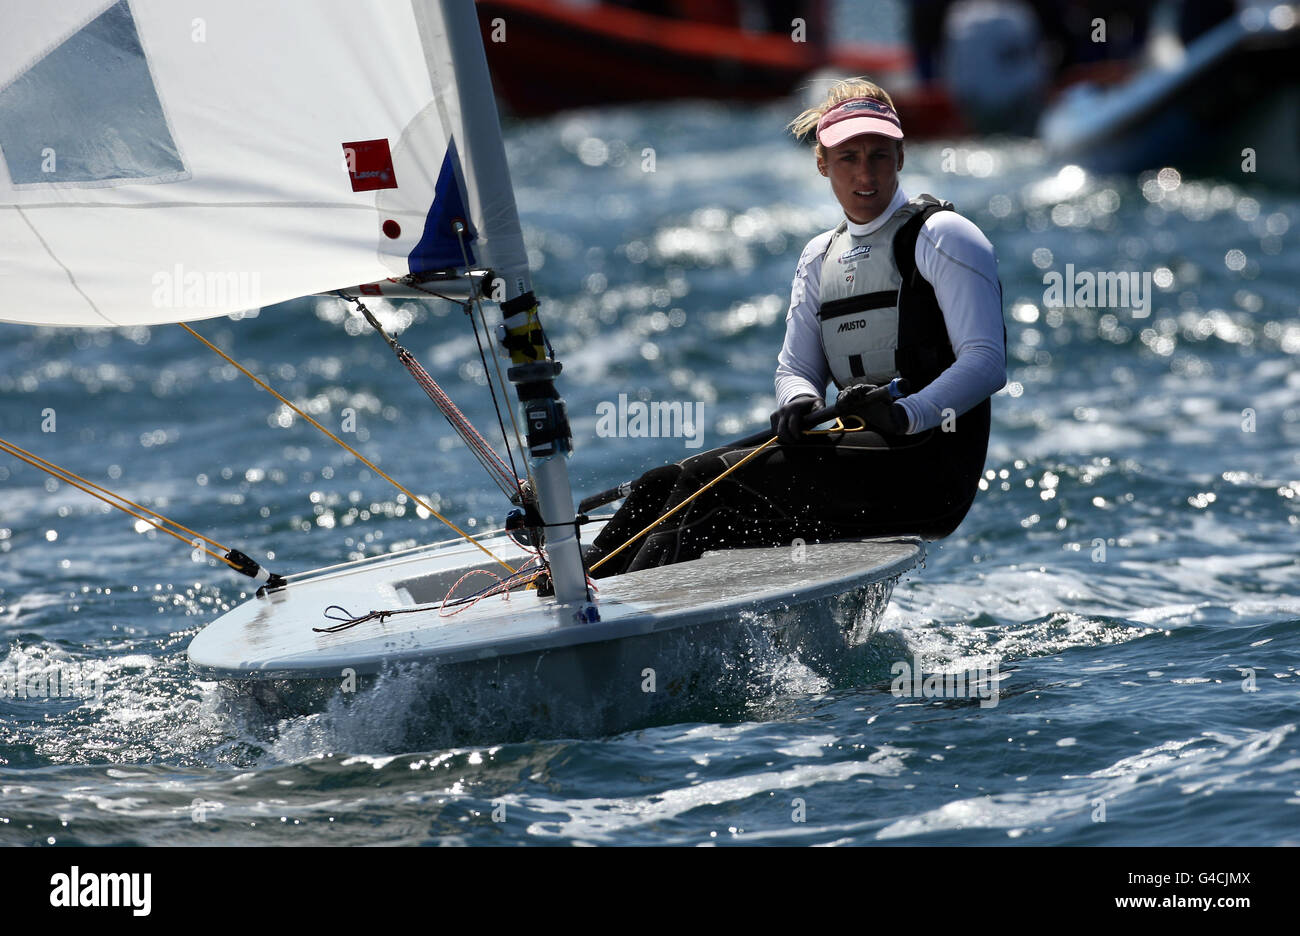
(872, 405)
(787, 422)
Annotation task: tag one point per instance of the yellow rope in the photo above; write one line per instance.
(52, 468)
(69, 478)
(737, 465)
(365, 461)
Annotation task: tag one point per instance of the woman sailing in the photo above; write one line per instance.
(902, 287)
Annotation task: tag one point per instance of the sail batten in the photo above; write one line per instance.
(264, 152)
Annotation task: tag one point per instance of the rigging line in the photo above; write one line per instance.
(510, 410)
(487, 457)
(366, 560)
(737, 465)
(476, 299)
(67, 478)
(52, 468)
(418, 288)
(506, 477)
(496, 406)
(365, 461)
(503, 585)
(523, 577)
(478, 446)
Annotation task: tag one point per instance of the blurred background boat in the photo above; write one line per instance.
(1117, 87)
(600, 53)
(1229, 96)
(970, 66)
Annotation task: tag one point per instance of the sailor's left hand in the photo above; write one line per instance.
(873, 406)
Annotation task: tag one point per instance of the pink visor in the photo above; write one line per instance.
(855, 117)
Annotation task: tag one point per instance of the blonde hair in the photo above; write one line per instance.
(806, 123)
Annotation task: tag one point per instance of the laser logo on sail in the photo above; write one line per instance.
(370, 165)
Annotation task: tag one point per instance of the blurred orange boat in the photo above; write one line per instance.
(547, 56)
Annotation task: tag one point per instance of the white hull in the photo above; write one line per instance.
(666, 637)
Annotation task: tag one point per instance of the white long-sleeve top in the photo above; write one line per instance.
(956, 259)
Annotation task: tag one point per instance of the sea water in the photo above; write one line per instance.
(1124, 590)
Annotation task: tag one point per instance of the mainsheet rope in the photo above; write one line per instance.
(365, 461)
(232, 557)
(670, 513)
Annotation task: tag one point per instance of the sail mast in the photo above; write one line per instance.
(491, 198)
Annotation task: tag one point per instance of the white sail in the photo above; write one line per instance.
(161, 162)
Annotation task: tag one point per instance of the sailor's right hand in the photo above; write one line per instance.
(787, 422)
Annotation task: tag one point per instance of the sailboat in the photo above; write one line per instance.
(164, 168)
(1207, 107)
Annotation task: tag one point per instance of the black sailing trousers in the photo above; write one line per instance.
(838, 485)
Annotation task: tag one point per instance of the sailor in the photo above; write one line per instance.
(901, 287)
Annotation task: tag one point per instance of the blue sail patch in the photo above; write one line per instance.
(439, 247)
